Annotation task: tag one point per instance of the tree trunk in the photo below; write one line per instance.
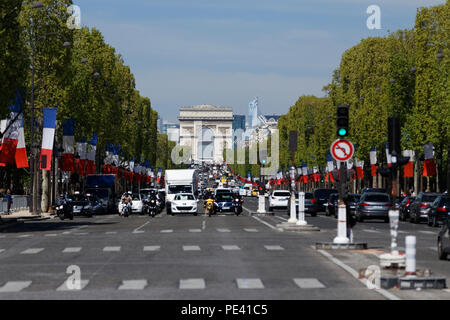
(416, 177)
(45, 187)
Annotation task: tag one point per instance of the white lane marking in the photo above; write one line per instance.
(309, 283)
(51, 235)
(15, 286)
(111, 249)
(137, 229)
(81, 234)
(167, 231)
(195, 230)
(24, 236)
(371, 231)
(82, 227)
(111, 232)
(2, 250)
(249, 284)
(251, 230)
(133, 285)
(434, 249)
(273, 248)
(72, 250)
(203, 224)
(428, 232)
(67, 232)
(152, 248)
(191, 248)
(192, 284)
(446, 290)
(65, 286)
(281, 218)
(355, 274)
(223, 230)
(265, 223)
(32, 251)
(230, 248)
(2, 237)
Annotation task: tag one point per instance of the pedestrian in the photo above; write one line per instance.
(9, 199)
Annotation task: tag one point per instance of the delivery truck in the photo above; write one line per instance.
(180, 181)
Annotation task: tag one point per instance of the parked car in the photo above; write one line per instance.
(377, 190)
(352, 201)
(279, 199)
(419, 209)
(321, 196)
(184, 203)
(443, 243)
(331, 204)
(404, 207)
(439, 212)
(373, 206)
(310, 204)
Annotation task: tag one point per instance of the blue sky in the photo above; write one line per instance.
(190, 52)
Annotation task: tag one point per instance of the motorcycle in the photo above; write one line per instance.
(152, 207)
(64, 211)
(209, 208)
(237, 206)
(126, 209)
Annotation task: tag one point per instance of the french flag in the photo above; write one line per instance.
(359, 169)
(48, 137)
(429, 167)
(68, 164)
(82, 150)
(91, 154)
(21, 151)
(373, 161)
(388, 156)
(408, 170)
(10, 140)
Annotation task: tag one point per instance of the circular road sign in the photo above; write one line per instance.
(342, 150)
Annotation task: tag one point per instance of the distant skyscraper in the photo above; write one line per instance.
(253, 120)
(238, 124)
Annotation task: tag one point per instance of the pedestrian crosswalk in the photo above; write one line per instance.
(144, 284)
(150, 248)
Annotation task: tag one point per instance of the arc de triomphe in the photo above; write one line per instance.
(207, 130)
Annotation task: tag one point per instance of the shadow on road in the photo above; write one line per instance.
(57, 225)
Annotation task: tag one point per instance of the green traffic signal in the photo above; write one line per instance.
(342, 132)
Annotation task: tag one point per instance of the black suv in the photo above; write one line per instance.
(321, 196)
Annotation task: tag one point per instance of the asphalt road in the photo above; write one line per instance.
(187, 257)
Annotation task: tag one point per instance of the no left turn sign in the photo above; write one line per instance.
(342, 150)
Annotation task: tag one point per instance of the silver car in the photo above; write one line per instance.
(373, 206)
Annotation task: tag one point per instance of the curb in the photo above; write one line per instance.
(8, 225)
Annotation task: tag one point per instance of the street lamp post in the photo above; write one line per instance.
(34, 181)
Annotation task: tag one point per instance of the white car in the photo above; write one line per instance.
(184, 203)
(279, 199)
(137, 203)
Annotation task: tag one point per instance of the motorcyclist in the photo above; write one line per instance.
(127, 199)
(209, 202)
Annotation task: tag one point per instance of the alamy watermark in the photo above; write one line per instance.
(73, 282)
(74, 21)
(374, 20)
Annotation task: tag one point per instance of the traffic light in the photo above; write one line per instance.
(342, 121)
(394, 136)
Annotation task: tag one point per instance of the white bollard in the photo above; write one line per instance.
(301, 209)
(261, 204)
(394, 218)
(342, 225)
(293, 218)
(410, 255)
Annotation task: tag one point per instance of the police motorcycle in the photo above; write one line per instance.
(237, 204)
(126, 209)
(64, 209)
